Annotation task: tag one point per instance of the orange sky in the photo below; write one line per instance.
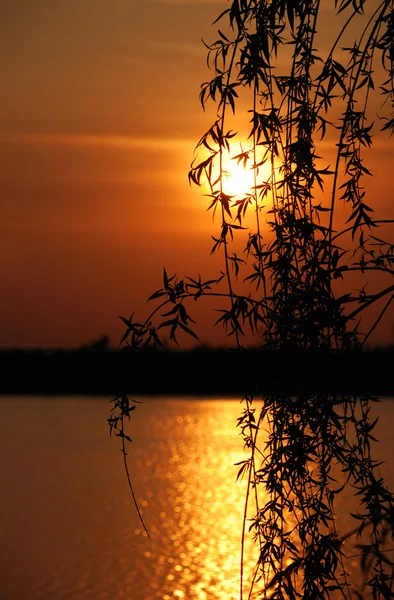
(99, 114)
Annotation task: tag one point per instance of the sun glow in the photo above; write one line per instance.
(237, 177)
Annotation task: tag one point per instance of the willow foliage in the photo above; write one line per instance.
(308, 224)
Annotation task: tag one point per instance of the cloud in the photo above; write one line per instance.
(81, 140)
(148, 143)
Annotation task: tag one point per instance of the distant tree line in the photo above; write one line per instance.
(97, 369)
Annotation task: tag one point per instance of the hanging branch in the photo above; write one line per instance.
(284, 288)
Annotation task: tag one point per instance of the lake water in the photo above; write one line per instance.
(69, 529)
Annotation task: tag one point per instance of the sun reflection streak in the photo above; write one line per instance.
(203, 518)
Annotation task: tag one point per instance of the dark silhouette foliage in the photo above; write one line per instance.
(307, 226)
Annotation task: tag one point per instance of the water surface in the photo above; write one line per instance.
(69, 529)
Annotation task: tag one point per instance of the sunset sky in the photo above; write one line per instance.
(99, 115)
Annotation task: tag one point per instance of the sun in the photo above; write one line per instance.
(237, 177)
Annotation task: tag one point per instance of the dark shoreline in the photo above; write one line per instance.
(201, 371)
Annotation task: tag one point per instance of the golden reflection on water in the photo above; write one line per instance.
(200, 522)
(69, 528)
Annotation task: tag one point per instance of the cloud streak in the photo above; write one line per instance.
(113, 141)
